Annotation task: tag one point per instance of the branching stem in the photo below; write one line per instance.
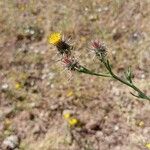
(111, 74)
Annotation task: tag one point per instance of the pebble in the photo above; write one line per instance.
(93, 17)
(11, 142)
(36, 129)
(4, 87)
(6, 112)
(54, 107)
(143, 76)
(115, 91)
(92, 125)
(67, 111)
(116, 128)
(99, 134)
(51, 75)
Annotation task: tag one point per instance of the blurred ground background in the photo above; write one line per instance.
(35, 90)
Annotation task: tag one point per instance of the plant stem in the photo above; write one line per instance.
(140, 93)
(87, 71)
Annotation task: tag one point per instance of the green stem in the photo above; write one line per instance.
(86, 71)
(140, 93)
(82, 69)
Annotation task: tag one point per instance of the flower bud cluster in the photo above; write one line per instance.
(65, 50)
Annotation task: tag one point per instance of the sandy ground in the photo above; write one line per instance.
(35, 89)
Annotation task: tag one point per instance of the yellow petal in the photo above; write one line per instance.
(67, 115)
(70, 93)
(17, 86)
(54, 38)
(147, 145)
(73, 121)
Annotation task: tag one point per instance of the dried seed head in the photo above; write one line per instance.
(70, 63)
(63, 48)
(99, 48)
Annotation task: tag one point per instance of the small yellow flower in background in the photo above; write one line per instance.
(105, 117)
(7, 122)
(70, 93)
(67, 115)
(147, 145)
(55, 38)
(140, 123)
(70, 119)
(73, 122)
(18, 86)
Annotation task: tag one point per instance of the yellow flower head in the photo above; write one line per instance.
(18, 86)
(55, 38)
(141, 124)
(67, 115)
(73, 122)
(70, 93)
(147, 145)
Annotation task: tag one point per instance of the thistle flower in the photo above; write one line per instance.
(73, 65)
(73, 122)
(57, 40)
(99, 49)
(70, 63)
